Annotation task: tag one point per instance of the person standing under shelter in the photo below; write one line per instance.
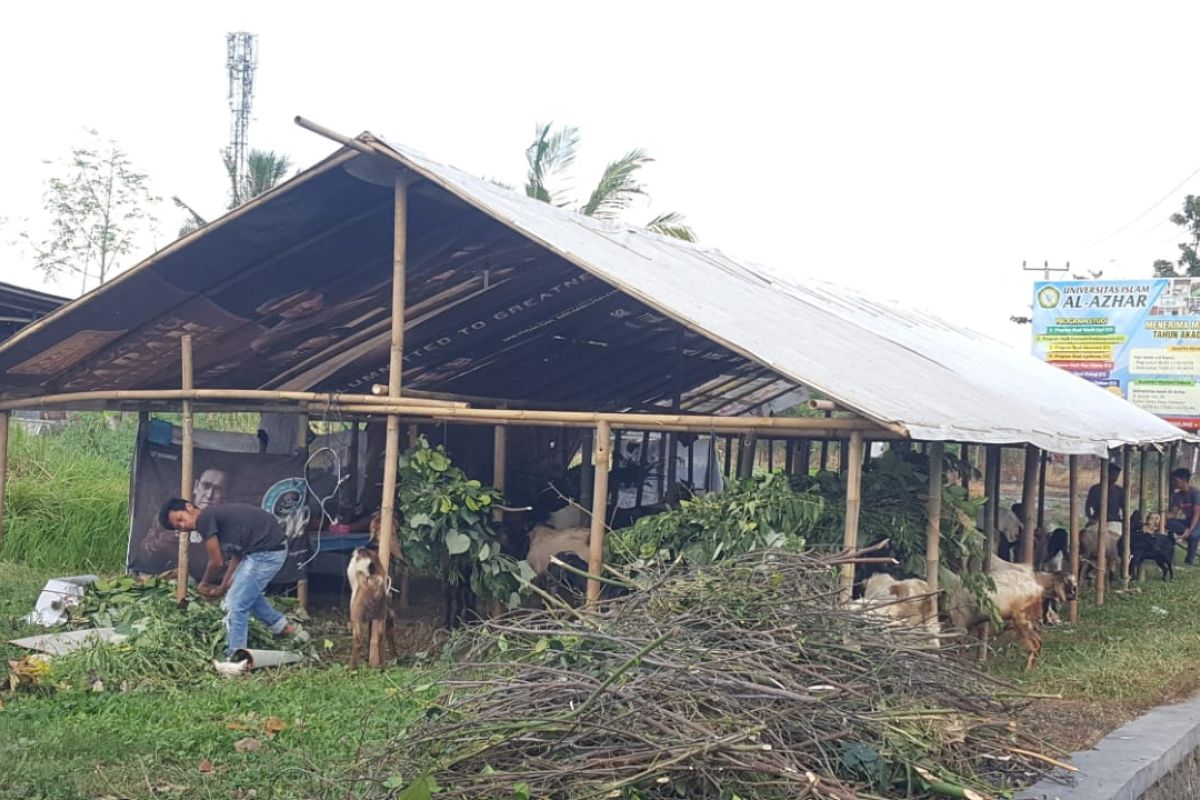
(257, 548)
(1184, 512)
(1116, 497)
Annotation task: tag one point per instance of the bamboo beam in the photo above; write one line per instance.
(1028, 503)
(186, 464)
(1102, 538)
(599, 510)
(1126, 522)
(853, 507)
(3, 471)
(302, 432)
(933, 527)
(387, 521)
(331, 399)
(1073, 543)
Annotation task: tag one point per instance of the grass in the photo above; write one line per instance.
(142, 744)
(1138, 650)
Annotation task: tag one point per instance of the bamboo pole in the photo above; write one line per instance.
(1073, 543)
(1028, 501)
(1102, 538)
(991, 470)
(933, 527)
(599, 510)
(1163, 487)
(1126, 522)
(1041, 498)
(499, 482)
(853, 507)
(1143, 462)
(3, 470)
(331, 399)
(587, 469)
(387, 521)
(302, 432)
(965, 457)
(186, 465)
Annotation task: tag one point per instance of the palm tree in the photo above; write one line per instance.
(265, 169)
(553, 152)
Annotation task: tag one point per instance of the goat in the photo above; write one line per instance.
(399, 567)
(369, 601)
(1050, 549)
(910, 602)
(545, 542)
(1156, 547)
(572, 587)
(1019, 599)
(1089, 548)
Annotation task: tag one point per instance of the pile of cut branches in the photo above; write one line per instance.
(739, 679)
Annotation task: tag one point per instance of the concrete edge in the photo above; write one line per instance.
(1131, 759)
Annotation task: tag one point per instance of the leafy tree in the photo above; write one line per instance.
(552, 154)
(98, 209)
(1188, 263)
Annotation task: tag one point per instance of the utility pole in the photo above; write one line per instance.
(1045, 268)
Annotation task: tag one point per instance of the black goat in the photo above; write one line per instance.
(1156, 547)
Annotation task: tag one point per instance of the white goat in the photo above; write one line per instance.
(545, 542)
(910, 602)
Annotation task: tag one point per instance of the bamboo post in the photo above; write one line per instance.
(499, 482)
(302, 432)
(965, 457)
(387, 521)
(1143, 462)
(1163, 487)
(186, 464)
(933, 527)
(414, 435)
(1102, 538)
(599, 511)
(1174, 456)
(637, 503)
(1041, 501)
(1073, 543)
(991, 474)
(1126, 522)
(586, 471)
(1028, 501)
(853, 507)
(3, 471)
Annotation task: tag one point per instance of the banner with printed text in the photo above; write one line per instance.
(1139, 339)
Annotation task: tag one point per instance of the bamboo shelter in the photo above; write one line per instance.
(382, 285)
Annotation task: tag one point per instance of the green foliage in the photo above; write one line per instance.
(763, 512)
(553, 151)
(448, 521)
(1188, 262)
(98, 211)
(67, 506)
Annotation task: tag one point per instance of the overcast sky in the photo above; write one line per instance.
(918, 151)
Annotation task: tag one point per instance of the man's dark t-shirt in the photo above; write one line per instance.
(1116, 503)
(1185, 501)
(241, 528)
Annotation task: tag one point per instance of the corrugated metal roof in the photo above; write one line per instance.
(522, 302)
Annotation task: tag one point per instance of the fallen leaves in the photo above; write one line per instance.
(273, 725)
(206, 765)
(247, 745)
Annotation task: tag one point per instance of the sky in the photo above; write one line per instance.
(917, 151)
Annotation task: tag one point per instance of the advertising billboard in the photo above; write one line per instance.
(1139, 339)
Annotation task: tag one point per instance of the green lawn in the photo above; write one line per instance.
(1140, 649)
(151, 743)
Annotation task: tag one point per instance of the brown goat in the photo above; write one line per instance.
(370, 606)
(399, 568)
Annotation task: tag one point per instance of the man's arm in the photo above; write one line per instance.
(212, 547)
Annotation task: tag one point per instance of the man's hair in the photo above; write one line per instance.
(1114, 468)
(168, 508)
(1182, 474)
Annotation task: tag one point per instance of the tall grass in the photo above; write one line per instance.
(67, 498)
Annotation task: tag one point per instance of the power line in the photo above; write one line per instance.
(1140, 216)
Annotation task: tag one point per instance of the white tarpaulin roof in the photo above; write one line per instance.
(900, 367)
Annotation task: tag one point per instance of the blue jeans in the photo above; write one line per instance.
(245, 597)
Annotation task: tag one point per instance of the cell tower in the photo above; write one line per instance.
(241, 61)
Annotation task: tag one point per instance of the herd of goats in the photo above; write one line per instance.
(1023, 596)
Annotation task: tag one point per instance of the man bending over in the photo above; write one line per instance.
(254, 542)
